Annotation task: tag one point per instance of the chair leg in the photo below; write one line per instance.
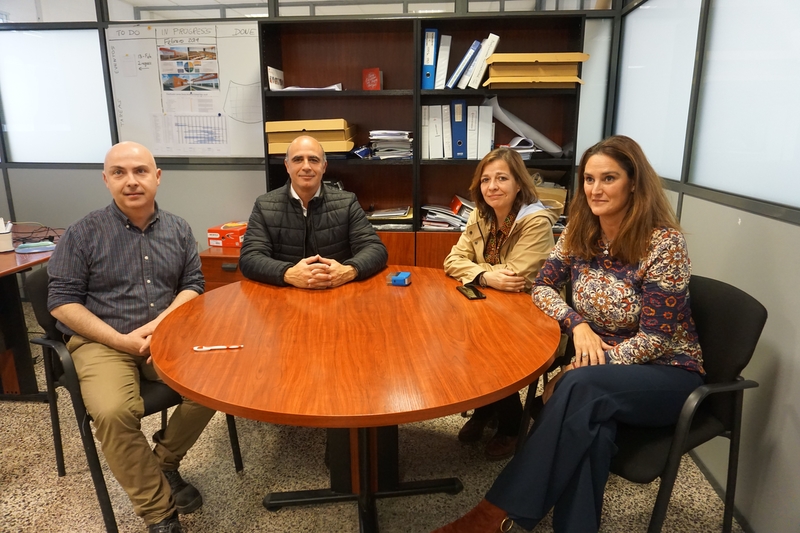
(234, 436)
(525, 421)
(665, 491)
(52, 400)
(733, 463)
(96, 471)
(163, 420)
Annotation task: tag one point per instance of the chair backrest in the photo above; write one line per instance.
(36, 290)
(729, 323)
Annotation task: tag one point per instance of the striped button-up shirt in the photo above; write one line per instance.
(123, 275)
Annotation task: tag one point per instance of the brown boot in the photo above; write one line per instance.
(483, 518)
(501, 447)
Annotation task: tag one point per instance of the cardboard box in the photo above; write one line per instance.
(558, 194)
(532, 82)
(538, 71)
(328, 146)
(228, 235)
(306, 125)
(542, 59)
(320, 135)
(541, 70)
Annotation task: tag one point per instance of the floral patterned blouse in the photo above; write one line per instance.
(497, 237)
(642, 310)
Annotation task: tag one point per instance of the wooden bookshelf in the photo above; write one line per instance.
(319, 53)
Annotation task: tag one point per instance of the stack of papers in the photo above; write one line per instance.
(524, 147)
(441, 217)
(390, 144)
(396, 212)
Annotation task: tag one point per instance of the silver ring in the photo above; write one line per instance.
(584, 355)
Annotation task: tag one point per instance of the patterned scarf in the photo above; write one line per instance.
(497, 237)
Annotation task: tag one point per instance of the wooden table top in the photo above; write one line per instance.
(12, 262)
(362, 355)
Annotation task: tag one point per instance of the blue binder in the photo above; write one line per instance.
(429, 59)
(458, 117)
(465, 62)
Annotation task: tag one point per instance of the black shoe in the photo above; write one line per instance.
(187, 498)
(168, 525)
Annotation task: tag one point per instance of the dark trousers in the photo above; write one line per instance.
(565, 461)
(508, 411)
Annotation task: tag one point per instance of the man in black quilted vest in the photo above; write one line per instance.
(308, 235)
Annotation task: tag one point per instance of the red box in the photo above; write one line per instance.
(228, 235)
(371, 79)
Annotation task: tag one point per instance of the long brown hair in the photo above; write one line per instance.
(648, 208)
(527, 188)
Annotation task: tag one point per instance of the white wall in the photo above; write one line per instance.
(58, 198)
(760, 256)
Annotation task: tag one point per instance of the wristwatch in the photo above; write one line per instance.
(482, 280)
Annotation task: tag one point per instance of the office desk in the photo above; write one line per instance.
(17, 377)
(364, 355)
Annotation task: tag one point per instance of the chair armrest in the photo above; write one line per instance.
(70, 377)
(693, 402)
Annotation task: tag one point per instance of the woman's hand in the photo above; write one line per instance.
(504, 280)
(589, 347)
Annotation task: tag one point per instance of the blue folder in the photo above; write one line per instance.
(429, 59)
(465, 62)
(458, 118)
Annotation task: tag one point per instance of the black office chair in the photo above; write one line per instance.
(729, 323)
(60, 372)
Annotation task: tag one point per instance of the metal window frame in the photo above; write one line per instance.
(619, 10)
(773, 210)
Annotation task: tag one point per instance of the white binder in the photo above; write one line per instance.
(472, 132)
(462, 83)
(423, 141)
(485, 131)
(447, 133)
(435, 132)
(442, 61)
(480, 62)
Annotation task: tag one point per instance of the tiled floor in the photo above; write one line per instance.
(34, 499)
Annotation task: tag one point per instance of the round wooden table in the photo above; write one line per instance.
(363, 355)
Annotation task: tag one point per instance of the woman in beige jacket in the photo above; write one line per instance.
(506, 240)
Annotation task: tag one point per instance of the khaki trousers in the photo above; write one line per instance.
(110, 388)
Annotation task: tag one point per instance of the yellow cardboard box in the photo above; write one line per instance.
(320, 135)
(306, 125)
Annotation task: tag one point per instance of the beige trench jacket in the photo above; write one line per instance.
(524, 252)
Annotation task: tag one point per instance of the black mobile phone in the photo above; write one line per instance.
(471, 292)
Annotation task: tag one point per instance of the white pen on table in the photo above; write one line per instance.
(221, 347)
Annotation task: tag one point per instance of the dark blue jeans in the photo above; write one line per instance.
(565, 461)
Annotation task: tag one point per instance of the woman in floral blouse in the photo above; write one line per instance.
(508, 236)
(637, 355)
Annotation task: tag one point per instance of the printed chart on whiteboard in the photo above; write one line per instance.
(188, 90)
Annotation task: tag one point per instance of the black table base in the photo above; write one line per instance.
(389, 486)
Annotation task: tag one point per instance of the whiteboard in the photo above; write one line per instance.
(188, 89)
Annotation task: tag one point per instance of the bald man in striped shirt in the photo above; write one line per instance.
(114, 275)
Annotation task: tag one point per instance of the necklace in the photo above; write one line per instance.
(606, 242)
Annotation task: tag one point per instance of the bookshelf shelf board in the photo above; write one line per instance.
(338, 94)
(334, 159)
